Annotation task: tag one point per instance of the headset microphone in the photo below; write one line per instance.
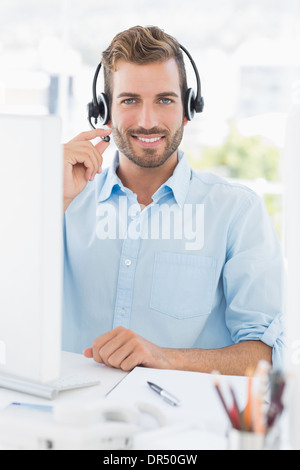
(99, 107)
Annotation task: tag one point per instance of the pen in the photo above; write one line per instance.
(33, 405)
(164, 394)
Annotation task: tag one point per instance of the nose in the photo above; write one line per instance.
(147, 117)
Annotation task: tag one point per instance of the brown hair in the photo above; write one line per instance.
(142, 45)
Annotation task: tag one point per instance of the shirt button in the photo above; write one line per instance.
(127, 262)
(134, 215)
(122, 311)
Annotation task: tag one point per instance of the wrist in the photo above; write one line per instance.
(175, 359)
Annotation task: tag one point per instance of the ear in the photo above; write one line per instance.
(185, 121)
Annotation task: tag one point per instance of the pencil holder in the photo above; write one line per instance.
(242, 440)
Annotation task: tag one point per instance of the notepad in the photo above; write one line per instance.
(196, 392)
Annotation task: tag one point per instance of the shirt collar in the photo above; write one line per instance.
(111, 180)
(178, 183)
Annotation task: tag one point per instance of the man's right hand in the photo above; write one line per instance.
(82, 161)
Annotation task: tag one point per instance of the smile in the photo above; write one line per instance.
(148, 141)
(143, 139)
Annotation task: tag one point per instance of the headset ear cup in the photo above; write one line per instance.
(103, 106)
(93, 110)
(189, 104)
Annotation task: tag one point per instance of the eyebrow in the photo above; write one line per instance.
(168, 93)
(136, 95)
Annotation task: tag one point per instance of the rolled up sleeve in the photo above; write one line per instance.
(274, 337)
(253, 279)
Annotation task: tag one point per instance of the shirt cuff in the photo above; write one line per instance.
(274, 337)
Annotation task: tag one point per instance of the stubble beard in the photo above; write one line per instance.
(147, 157)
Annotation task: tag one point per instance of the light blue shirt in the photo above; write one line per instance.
(200, 267)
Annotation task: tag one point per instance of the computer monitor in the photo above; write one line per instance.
(31, 196)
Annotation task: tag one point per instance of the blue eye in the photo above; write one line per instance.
(129, 101)
(165, 100)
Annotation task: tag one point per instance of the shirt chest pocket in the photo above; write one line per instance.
(183, 285)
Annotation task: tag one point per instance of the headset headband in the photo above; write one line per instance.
(99, 107)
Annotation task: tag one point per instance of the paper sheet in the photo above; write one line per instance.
(200, 403)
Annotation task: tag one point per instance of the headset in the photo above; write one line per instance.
(99, 107)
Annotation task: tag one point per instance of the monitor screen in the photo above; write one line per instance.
(31, 213)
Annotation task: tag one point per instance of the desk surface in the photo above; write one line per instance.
(199, 423)
(73, 364)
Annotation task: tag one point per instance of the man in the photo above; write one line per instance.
(164, 267)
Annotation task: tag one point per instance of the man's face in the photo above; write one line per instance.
(147, 117)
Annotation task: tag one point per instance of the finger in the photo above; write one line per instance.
(90, 135)
(89, 156)
(109, 335)
(100, 148)
(124, 351)
(95, 154)
(88, 352)
(89, 159)
(131, 361)
(107, 339)
(125, 357)
(97, 160)
(115, 350)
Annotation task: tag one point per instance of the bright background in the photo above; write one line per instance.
(247, 54)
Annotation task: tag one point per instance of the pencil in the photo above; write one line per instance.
(238, 415)
(229, 414)
(247, 413)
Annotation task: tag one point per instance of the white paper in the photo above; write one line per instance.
(200, 403)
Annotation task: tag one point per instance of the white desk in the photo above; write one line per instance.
(199, 423)
(77, 364)
(22, 424)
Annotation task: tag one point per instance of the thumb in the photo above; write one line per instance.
(88, 352)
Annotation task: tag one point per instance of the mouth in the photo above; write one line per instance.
(149, 141)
